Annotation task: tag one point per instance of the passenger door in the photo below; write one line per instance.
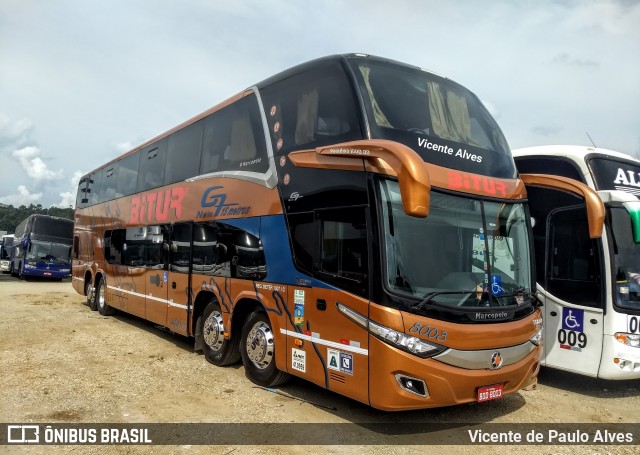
(573, 291)
(178, 281)
(567, 219)
(327, 347)
(156, 274)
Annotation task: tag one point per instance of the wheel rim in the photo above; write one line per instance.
(87, 292)
(260, 345)
(101, 296)
(213, 331)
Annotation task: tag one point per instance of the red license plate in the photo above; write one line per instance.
(489, 392)
(47, 273)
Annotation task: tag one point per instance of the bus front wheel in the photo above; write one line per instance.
(257, 346)
(217, 349)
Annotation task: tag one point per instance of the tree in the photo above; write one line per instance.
(11, 216)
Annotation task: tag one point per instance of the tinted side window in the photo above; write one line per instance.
(152, 166)
(114, 246)
(180, 252)
(127, 175)
(183, 154)
(311, 109)
(234, 139)
(573, 272)
(93, 189)
(209, 257)
(543, 165)
(302, 229)
(109, 182)
(82, 198)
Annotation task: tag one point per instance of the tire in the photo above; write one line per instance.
(257, 346)
(89, 295)
(101, 300)
(217, 349)
(92, 298)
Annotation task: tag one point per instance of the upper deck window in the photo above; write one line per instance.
(310, 109)
(441, 120)
(234, 139)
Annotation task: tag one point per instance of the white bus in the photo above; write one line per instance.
(590, 287)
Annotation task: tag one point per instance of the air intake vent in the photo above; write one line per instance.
(337, 377)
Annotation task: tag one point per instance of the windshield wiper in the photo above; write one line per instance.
(429, 297)
(536, 301)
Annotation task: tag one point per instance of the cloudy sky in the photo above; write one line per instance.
(83, 81)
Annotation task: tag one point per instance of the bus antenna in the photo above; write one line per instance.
(594, 144)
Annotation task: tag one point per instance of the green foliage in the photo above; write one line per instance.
(11, 216)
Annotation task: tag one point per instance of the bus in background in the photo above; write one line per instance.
(590, 287)
(42, 247)
(353, 221)
(6, 249)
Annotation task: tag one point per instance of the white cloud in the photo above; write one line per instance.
(14, 134)
(68, 198)
(23, 197)
(34, 166)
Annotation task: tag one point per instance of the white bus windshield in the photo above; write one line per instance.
(626, 264)
(467, 252)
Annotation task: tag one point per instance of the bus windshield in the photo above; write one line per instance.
(467, 252)
(49, 251)
(626, 262)
(442, 121)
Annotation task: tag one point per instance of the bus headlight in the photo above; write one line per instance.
(405, 342)
(29, 266)
(537, 338)
(629, 339)
(400, 340)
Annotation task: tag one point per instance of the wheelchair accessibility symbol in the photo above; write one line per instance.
(496, 285)
(572, 319)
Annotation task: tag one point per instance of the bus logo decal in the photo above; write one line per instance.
(496, 360)
(218, 201)
(154, 207)
(478, 183)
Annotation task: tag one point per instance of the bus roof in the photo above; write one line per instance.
(575, 152)
(277, 77)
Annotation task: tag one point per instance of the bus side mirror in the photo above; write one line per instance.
(633, 208)
(593, 202)
(413, 178)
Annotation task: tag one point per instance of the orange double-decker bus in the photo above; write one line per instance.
(353, 221)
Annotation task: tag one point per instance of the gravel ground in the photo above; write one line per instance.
(62, 363)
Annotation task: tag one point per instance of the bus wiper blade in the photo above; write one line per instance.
(522, 292)
(429, 297)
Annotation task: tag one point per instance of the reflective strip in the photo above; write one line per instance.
(331, 344)
(150, 297)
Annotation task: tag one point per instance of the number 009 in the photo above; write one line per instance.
(572, 338)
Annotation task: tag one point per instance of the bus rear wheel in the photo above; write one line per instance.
(92, 296)
(257, 346)
(217, 349)
(101, 300)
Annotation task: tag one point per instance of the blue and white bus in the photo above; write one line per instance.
(590, 286)
(42, 247)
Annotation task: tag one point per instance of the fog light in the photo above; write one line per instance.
(412, 385)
